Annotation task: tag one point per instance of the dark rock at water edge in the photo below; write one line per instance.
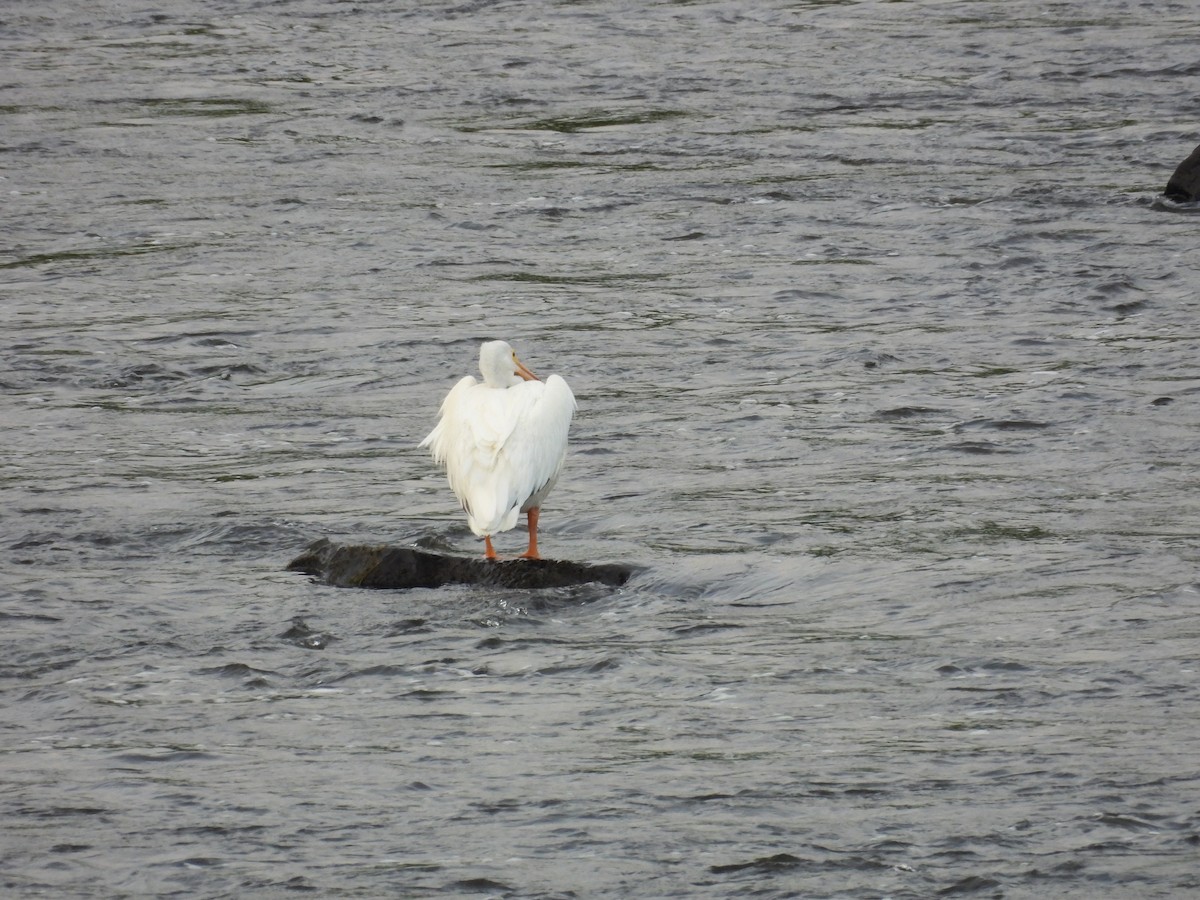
(1184, 185)
(381, 566)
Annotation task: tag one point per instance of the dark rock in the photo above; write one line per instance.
(1184, 185)
(381, 566)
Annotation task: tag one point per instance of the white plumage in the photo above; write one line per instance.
(502, 442)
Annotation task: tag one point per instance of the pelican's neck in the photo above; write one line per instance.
(500, 381)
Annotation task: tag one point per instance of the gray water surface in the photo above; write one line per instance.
(885, 351)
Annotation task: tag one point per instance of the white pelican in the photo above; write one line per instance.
(502, 442)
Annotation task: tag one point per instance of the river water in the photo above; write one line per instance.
(885, 357)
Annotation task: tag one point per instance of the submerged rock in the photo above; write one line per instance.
(381, 566)
(1184, 185)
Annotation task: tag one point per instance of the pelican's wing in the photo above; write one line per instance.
(449, 430)
(537, 446)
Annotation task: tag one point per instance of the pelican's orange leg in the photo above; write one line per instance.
(489, 552)
(532, 552)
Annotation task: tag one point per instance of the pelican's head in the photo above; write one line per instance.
(500, 367)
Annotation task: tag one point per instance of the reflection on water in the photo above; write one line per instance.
(882, 345)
